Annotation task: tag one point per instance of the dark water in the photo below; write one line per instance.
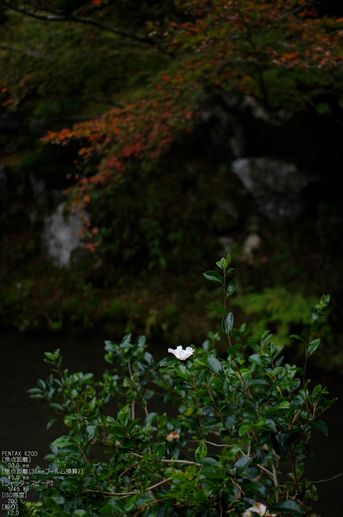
(23, 420)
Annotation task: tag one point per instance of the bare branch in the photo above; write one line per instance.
(294, 11)
(182, 462)
(87, 21)
(330, 479)
(3, 47)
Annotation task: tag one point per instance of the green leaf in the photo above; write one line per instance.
(287, 507)
(233, 349)
(88, 433)
(87, 377)
(298, 337)
(52, 504)
(284, 405)
(150, 418)
(242, 464)
(163, 510)
(244, 428)
(35, 390)
(279, 445)
(182, 371)
(112, 506)
(227, 261)
(230, 420)
(319, 425)
(69, 418)
(124, 413)
(210, 421)
(201, 452)
(213, 275)
(191, 422)
(168, 361)
(209, 462)
(80, 513)
(313, 346)
(217, 309)
(148, 395)
(41, 383)
(200, 361)
(315, 326)
(55, 405)
(231, 287)
(259, 382)
(64, 440)
(261, 360)
(256, 488)
(214, 364)
(227, 323)
(325, 299)
(316, 312)
(51, 422)
(221, 263)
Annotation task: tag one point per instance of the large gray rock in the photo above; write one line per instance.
(62, 235)
(276, 186)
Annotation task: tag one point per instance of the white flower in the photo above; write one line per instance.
(258, 509)
(180, 353)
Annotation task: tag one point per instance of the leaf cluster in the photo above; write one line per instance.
(226, 427)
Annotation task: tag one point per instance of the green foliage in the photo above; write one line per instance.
(38, 295)
(277, 308)
(227, 427)
(283, 312)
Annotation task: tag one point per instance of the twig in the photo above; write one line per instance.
(276, 483)
(330, 479)
(270, 474)
(212, 443)
(86, 460)
(184, 462)
(126, 494)
(160, 483)
(294, 11)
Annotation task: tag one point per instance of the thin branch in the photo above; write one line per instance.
(212, 443)
(86, 460)
(294, 11)
(126, 494)
(182, 462)
(330, 479)
(87, 21)
(270, 474)
(276, 482)
(3, 47)
(160, 483)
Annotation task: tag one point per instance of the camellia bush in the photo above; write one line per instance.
(232, 436)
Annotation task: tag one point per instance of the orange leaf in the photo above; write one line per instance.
(172, 436)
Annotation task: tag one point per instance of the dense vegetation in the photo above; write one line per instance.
(194, 434)
(107, 100)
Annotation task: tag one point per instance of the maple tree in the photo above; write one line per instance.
(283, 54)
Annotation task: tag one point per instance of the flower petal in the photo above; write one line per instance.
(180, 353)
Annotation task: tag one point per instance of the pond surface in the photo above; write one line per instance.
(23, 420)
